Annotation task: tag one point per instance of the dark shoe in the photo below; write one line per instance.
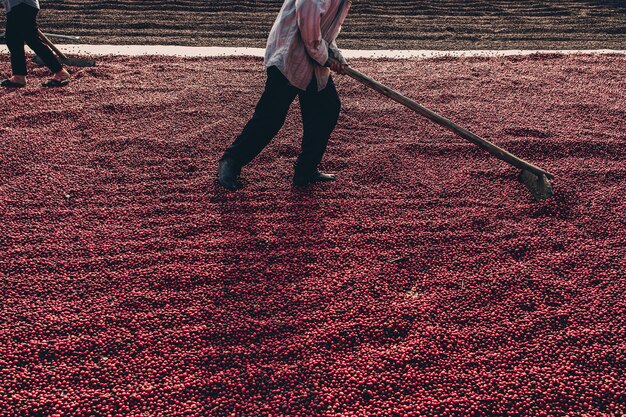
(300, 179)
(228, 171)
(10, 84)
(55, 83)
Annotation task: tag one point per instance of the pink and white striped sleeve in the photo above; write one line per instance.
(308, 15)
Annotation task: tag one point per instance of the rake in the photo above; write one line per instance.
(534, 178)
(51, 35)
(72, 62)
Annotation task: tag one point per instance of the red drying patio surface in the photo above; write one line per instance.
(424, 282)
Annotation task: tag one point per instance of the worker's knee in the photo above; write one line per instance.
(269, 120)
(336, 107)
(31, 37)
(14, 42)
(333, 108)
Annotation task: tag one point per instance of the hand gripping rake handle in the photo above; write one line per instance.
(537, 182)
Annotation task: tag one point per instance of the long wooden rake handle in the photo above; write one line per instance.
(47, 41)
(464, 133)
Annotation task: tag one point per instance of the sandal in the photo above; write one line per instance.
(10, 84)
(55, 83)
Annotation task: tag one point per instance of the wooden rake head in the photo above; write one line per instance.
(538, 184)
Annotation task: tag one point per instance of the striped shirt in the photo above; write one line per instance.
(9, 4)
(299, 40)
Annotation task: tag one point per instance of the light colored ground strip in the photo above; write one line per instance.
(192, 51)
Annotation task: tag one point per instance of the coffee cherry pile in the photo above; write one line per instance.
(424, 282)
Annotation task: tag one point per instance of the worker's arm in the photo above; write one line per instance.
(308, 15)
(336, 61)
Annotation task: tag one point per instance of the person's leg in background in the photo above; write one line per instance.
(14, 36)
(22, 28)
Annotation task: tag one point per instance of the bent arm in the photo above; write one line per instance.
(308, 16)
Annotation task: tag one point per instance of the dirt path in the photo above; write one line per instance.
(399, 24)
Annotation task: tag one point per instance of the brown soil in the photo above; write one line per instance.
(403, 24)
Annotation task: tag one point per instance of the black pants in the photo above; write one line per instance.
(320, 111)
(22, 28)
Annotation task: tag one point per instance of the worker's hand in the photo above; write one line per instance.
(336, 66)
(336, 61)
